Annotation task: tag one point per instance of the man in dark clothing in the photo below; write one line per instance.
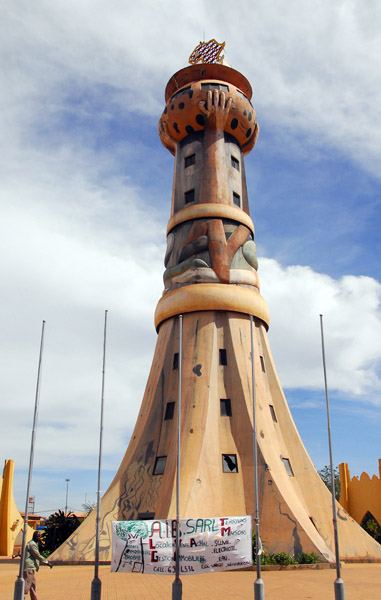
(32, 562)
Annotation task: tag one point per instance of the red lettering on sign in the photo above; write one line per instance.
(156, 526)
(173, 528)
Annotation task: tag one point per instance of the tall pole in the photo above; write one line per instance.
(339, 583)
(259, 589)
(20, 583)
(67, 494)
(96, 584)
(177, 586)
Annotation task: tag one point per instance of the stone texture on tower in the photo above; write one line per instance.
(209, 125)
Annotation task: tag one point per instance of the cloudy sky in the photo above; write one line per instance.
(85, 192)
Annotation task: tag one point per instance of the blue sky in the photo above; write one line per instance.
(85, 192)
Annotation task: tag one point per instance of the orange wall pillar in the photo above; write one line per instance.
(358, 496)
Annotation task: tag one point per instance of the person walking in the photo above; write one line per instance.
(32, 562)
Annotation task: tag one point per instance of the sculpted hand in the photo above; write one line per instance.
(166, 138)
(216, 110)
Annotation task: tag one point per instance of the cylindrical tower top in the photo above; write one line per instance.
(204, 72)
(186, 94)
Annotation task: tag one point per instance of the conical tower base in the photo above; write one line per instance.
(216, 436)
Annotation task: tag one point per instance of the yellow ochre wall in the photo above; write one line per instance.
(11, 521)
(358, 496)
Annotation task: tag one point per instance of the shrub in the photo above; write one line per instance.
(267, 559)
(283, 559)
(308, 558)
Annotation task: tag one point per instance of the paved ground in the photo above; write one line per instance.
(362, 582)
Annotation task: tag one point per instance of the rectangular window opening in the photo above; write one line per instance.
(215, 86)
(225, 407)
(190, 160)
(146, 516)
(288, 467)
(236, 199)
(189, 196)
(229, 463)
(159, 465)
(272, 410)
(262, 364)
(313, 522)
(223, 357)
(235, 163)
(242, 94)
(186, 90)
(169, 411)
(175, 364)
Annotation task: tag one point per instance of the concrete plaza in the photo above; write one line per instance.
(362, 582)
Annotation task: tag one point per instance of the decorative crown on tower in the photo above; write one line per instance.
(207, 52)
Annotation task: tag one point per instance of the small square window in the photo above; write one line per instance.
(225, 407)
(169, 411)
(159, 465)
(262, 364)
(236, 199)
(229, 463)
(272, 410)
(288, 467)
(175, 364)
(235, 163)
(189, 196)
(223, 357)
(190, 160)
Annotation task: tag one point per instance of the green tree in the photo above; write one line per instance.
(58, 528)
(325, 474)
(372, 526)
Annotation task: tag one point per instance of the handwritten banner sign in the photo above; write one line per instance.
(216, 544)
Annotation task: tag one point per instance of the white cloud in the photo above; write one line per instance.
(352, 327)
(74, 249)
(313, 66)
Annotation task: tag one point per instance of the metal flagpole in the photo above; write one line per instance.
(259, 590)
(20, 583)
(339, 583)
(177, 586)
(96, 584)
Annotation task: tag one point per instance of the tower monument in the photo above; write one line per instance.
(209, 125)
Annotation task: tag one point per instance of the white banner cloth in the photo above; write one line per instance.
(215, 544)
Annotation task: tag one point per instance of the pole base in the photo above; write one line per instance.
(19, 589)
(259, 589)
(339, 589)
(177, 590)
(96, 588)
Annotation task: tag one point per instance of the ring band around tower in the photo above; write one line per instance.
(209, 124)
